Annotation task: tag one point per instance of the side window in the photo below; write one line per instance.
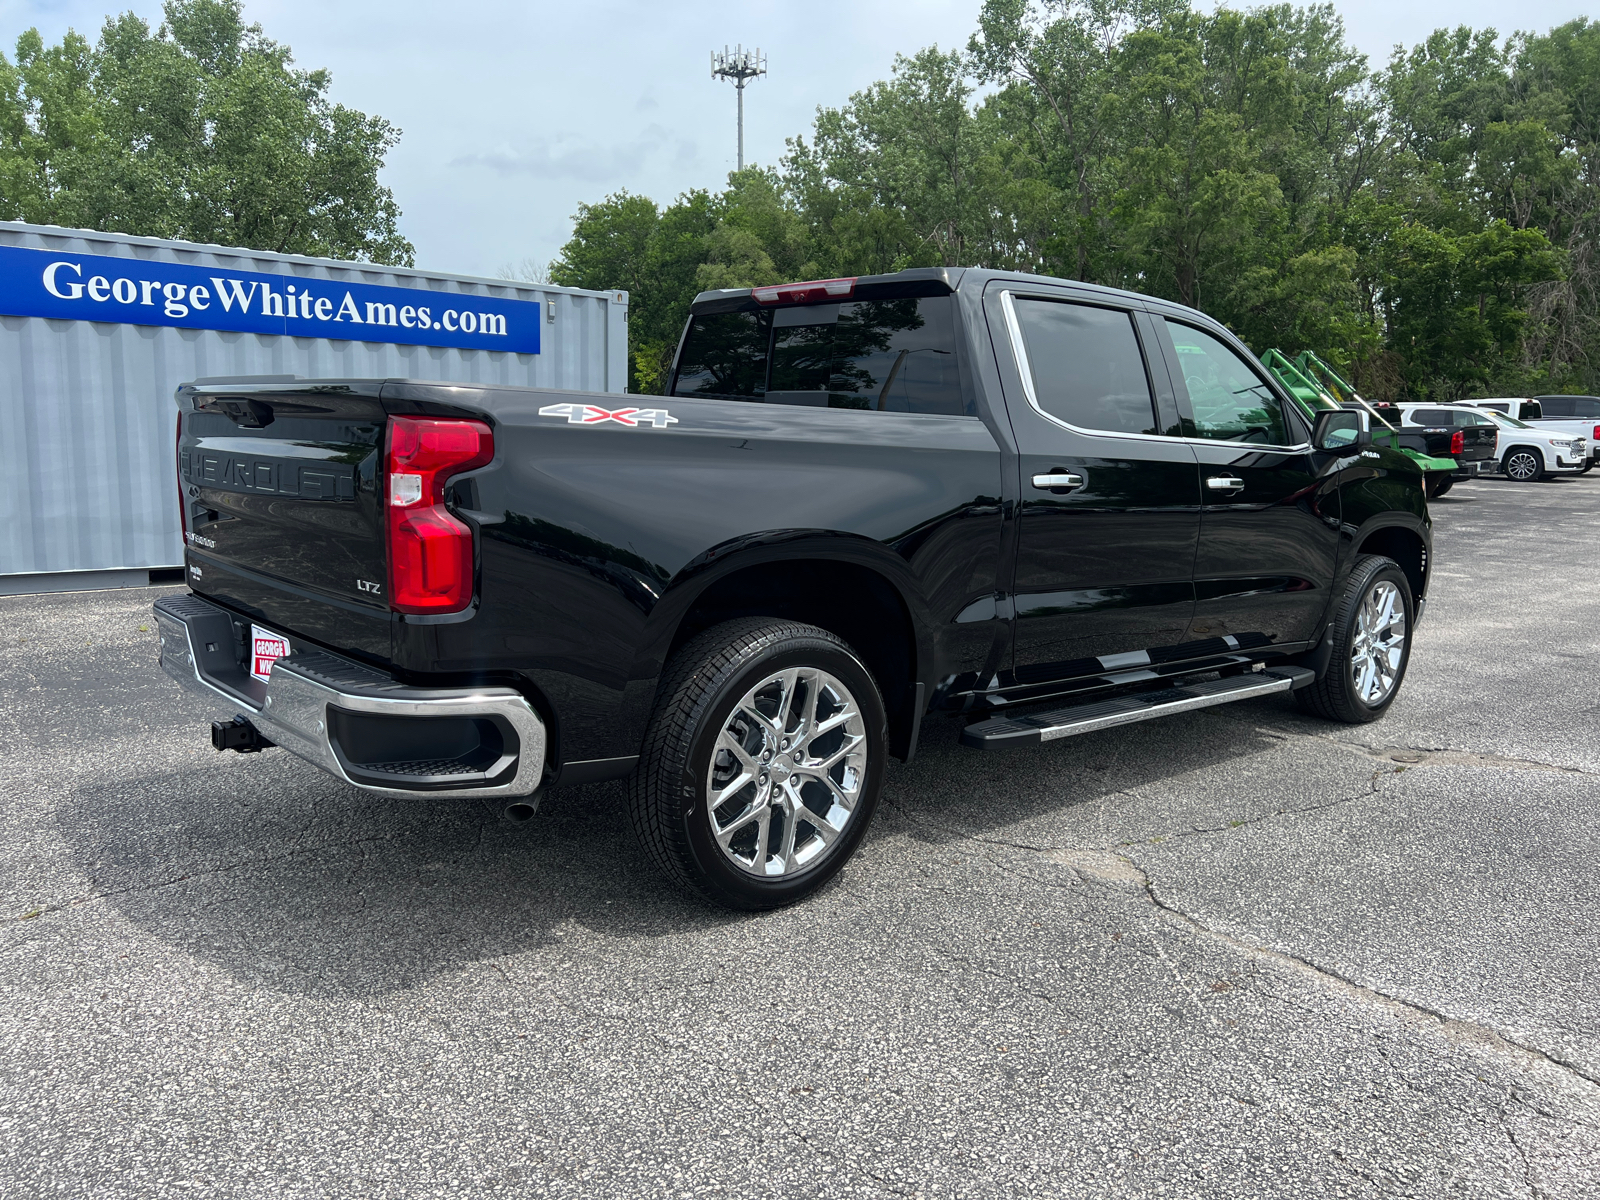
(1086, 365)
(724, 357)
(1231, 402)
(1559, 406)
(1432, 416)
(1587, 407)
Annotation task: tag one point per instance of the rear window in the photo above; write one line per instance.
(1570, 406)
(725, 357)
(1531, 411)
(873, 355)
(1431, 416)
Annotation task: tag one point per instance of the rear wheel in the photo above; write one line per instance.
(1371, 645)
(762, 764)
(1522, 464)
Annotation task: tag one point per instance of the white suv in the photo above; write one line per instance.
(1527, 452)
(1554, 414)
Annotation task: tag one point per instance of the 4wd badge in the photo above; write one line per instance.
(593, 414)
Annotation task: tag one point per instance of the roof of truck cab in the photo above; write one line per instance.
(921, 281)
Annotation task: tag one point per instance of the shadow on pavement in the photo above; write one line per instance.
(286, 879)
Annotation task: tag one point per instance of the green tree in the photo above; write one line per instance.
(1430, 226)
(202, 130)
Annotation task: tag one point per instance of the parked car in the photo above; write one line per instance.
(1447, 432)
(1537, 414)
(861, 501)
(1583, 411)
(1528, 453)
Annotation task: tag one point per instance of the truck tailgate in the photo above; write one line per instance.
(282, 515)
(1477, 443)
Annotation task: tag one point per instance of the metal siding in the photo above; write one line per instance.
(86, 410)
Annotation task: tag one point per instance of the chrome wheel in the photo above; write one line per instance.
(786, 773)
(1379, 643)
(1522, 465)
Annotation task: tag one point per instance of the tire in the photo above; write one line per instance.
(716, 720)
(1345, 692)
(1522, 464)
(1587, 466)
(1440, 486)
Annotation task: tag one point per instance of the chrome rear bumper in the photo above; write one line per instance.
(352, 720)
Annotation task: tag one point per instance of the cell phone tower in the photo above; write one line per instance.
(739, 66)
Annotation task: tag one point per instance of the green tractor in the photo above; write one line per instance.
(1317, 387)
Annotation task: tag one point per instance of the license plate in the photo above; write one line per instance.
(266, 648)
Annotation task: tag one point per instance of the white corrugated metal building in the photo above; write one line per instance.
(86, 409)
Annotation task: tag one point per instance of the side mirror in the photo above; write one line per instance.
(1342, 429)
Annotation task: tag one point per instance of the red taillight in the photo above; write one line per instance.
(1458, 442)
(1597, 433)
(801, 293)
(430, 551)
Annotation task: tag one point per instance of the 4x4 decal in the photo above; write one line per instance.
(593, 414)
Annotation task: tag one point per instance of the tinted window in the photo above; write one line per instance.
(1499, 408)
(1086, 365)
(896, 356)
(725, 357)
(1570, 406)
(1459, 417)
(882, 355)
(1531, 411)
(1230, 401)
(1431, 416)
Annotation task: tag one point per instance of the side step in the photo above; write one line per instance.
(1002, 733)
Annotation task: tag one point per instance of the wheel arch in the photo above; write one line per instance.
(849, 585)
(1407, 546)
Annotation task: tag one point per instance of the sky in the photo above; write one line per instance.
(514, 113)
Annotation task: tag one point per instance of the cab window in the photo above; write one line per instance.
(1229, 400)
(1086, 365)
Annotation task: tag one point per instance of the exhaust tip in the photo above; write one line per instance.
(521, 812)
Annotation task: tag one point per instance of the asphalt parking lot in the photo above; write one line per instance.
(1236, 953)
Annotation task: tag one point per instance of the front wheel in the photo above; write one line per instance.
(1439, 485)
(762, 763)
(1371, 645)
(1523, 464)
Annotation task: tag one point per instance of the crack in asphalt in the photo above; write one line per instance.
(1456, 1028)
(1511, 1136)
(1407, 757)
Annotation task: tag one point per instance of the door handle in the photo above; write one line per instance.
(1054, 481)
(1225, 483)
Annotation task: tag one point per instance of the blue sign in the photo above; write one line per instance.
(129, 291)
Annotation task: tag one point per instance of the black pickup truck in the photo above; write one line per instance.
(1461, 435)
(1043, 507)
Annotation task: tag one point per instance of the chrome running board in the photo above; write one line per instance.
(1002, 733)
